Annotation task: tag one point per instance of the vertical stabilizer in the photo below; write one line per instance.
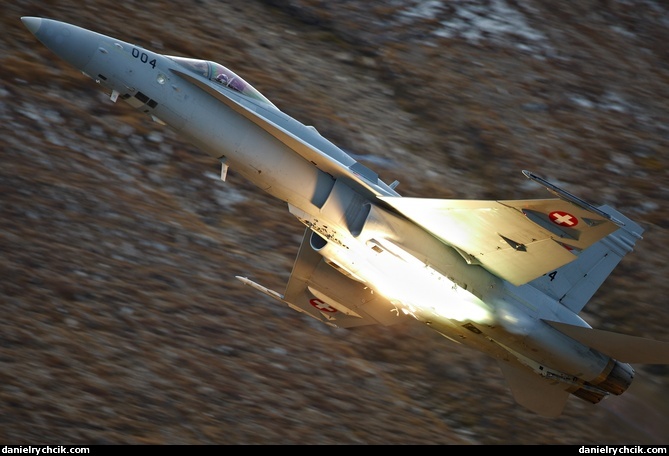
(576, 282)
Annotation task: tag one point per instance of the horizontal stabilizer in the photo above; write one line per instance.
(541, 395)
(622, 347)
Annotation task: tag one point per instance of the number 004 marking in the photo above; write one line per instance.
(143, 57)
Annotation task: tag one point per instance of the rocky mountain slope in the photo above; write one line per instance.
(122, 320)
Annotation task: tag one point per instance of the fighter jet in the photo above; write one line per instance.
(506, 277)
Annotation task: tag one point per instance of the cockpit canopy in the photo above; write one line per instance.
(216, 72)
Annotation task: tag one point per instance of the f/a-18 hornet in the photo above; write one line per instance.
(506, 277)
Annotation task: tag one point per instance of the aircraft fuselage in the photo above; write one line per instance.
(337, 199)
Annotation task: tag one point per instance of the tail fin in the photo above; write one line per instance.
(575, 283)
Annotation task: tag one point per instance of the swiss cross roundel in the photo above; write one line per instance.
(563, 219)
(320, 305)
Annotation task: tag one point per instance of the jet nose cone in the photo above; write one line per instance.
(32, 23)
(73, 44)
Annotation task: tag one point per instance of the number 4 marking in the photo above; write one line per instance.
(552, 275)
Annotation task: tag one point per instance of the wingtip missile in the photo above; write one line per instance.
(565, 195)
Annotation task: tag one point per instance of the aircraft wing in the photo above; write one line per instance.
(517, 240)
(322, 292)
(304, 140)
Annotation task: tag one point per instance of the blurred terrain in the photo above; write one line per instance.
(121, 318)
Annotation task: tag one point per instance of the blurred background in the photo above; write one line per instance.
(121, 318)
